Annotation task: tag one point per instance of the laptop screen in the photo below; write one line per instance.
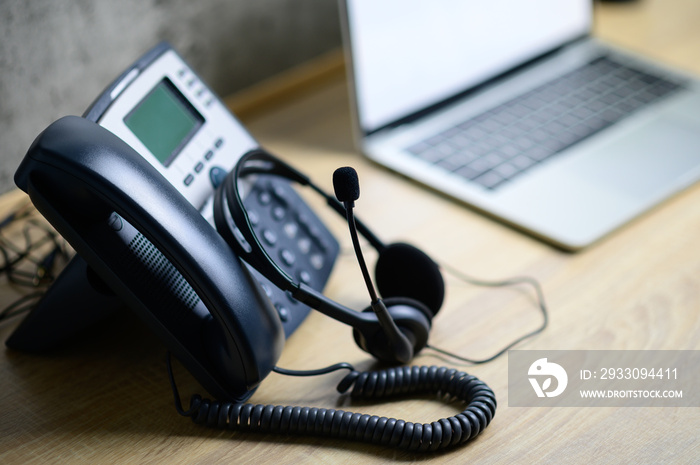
(410, 54)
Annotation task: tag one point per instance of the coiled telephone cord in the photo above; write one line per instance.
(479, 411)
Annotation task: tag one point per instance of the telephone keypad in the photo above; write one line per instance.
(295, 238)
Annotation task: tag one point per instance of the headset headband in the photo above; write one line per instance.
(233, 223)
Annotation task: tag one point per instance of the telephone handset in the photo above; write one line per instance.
(78, 175)
(130, 187)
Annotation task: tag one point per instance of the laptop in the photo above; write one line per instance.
(513, 108)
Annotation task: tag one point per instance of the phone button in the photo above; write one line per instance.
(305, 277)
(290, 229)
(188, 179)
(287, 257)
(278, 213)
(266, 289)
(283, 312)
(317, 261)
(253, 217)
(304, 245)
(217, 176)
(291, 298)
(279, 192)
(269, 236)
(115, 222)
(264, 198)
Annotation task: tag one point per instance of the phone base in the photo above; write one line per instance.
(75, 301)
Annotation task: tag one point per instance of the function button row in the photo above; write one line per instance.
(191, 82)
(208, 155)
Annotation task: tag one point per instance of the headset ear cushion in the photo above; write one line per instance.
(402, 270)
(411, 317)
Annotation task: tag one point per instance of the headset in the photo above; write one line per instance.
(392, 329)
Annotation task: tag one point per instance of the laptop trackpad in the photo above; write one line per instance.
(609, 184)
(647, 162)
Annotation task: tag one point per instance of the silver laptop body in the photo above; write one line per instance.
(430, 119)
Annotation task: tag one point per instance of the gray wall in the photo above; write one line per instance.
(57, 55)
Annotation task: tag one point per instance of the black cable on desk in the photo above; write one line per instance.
(479, 400)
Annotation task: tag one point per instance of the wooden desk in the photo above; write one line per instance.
(105, 397)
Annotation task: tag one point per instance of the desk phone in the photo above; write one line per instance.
(175, 210)
(162, 110)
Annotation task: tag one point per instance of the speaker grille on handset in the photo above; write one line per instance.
(163, 272)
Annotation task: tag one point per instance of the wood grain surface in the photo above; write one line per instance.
(104, 397)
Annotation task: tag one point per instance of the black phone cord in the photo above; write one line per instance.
(480, 409)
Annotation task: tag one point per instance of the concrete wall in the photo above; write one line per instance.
(56, 56)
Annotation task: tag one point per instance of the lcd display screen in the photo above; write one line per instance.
(164, 121)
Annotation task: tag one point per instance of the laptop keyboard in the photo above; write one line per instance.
(502, 143)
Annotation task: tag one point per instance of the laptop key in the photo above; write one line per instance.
(490, 180)
(468, 172)
(506, 170)
(522, 162)
(418, 148)
(431, 155)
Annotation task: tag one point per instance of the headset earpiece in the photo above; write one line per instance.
(402, 270)
(413, 320)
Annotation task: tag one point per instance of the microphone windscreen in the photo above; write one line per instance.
(346, 184)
